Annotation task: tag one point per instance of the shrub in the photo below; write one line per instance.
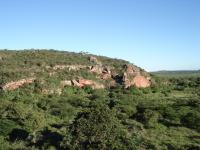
(192, 120)
(97, 128)
(6, 126)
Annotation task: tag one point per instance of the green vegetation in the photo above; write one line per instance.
(165, 116)
(177, 74)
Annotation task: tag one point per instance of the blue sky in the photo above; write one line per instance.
(153, 34)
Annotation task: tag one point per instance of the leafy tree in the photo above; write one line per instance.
(98, 128)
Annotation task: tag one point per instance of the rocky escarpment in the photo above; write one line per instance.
(105, 74)
(82, 83)
(133, 77)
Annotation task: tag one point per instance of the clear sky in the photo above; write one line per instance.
(153, 34)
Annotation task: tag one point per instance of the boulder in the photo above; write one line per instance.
(93, 84)
(137, 81)
(131, 70)
(104, 72)
(141, 81)
(133, 77)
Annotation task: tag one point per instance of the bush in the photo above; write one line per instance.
(97, 128)
(6, 126)
(135, 91)
(192, 120)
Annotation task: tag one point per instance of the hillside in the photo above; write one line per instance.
(180, 73)
(56, 69)
(63, 100)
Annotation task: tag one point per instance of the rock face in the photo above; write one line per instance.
(89, 71)
(16, 84)
(82, 83)
(126, 80)
(92, 84)
(131, 70)
(133, 77)
(141, 81)
(104, 72)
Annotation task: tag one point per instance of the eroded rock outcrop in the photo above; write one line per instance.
(133, 77)
(16, 84)
(91, 83)
(82, 83)
(141, 81)
(103, 72)
(131, 70)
